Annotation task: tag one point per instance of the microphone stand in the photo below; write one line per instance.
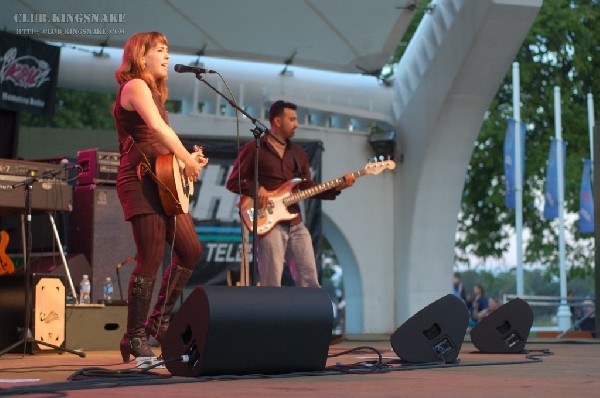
(258, 130)
(27, 336)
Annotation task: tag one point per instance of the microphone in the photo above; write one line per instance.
(127, 261)
(179, 68)
(68, 165)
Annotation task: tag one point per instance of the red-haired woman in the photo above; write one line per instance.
(144, 134)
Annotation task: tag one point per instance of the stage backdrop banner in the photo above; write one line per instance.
(28, 74)
(216, 216)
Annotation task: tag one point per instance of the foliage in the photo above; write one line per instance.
(82, 109)
(561, 50)
(537, 282)
(76, 109)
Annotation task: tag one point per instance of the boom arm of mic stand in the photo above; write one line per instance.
(259, 127)
(257, 131)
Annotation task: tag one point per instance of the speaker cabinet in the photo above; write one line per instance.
(248, 330)
(434, 334)
(98, 230)
(505, 330)
(47, 317)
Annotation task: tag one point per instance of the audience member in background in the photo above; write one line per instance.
(493, 304)
(458, 289)
(469, 302)
(480, 305)
(576, 310)
(588, 316)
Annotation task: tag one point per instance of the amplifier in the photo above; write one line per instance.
(98, 167)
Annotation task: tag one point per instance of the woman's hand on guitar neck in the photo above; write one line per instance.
(194, 163)
(199, 156)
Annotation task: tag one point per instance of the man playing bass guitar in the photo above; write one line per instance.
(287, 240)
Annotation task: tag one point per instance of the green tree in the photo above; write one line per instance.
(76, 109)
(560, 50)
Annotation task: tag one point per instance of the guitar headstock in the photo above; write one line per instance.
(375, 167)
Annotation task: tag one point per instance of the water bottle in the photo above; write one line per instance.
(108, 290)
(84, 290)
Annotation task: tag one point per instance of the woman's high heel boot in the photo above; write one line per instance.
(174, 280)
(134, 342)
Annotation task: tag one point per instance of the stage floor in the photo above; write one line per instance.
(560, 368)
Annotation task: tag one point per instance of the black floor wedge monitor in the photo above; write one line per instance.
(505, 330)
(434, 334)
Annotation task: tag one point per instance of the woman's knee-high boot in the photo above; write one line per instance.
(134, 342)
(173, 282)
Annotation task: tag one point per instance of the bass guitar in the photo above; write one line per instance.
(284, 196)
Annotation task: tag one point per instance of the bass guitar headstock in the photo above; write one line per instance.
(376, 166)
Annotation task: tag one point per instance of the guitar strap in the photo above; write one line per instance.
(127, 143)
(293, 148)
(144, 166)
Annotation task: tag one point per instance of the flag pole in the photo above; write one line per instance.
(564, 312)
(518, 176)
(591, 122)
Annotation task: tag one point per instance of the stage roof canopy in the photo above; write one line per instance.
(354, 36)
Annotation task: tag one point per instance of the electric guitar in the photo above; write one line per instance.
(174, 189)
(6, 264)
(279, 199)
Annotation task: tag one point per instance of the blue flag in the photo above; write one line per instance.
(586, 200)
(509, 161)
(551, 192)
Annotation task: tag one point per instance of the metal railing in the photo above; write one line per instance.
(545, 309)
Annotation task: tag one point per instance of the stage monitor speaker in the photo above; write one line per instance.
(98, 230)
(505, 330)
(433, 334)
(250, 330)
(47, 321)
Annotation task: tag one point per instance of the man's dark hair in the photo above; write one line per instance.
(277, 109)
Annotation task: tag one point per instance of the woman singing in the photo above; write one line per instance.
(144, 134)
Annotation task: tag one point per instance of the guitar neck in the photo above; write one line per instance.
(317, 189)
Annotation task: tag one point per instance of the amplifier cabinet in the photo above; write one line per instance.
(98, 230)
(98, 167)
